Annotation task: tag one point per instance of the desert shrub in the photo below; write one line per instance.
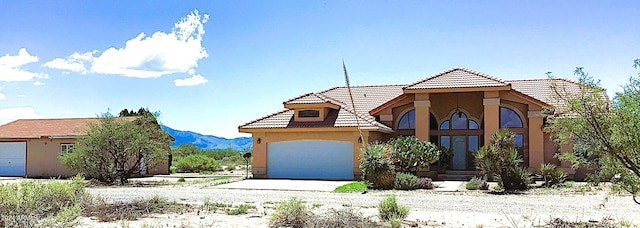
(181, 179)
(173, 169)
(197, 163)
(409, 153)
(477, 183)
(552, 175)
(108, 212)
(242, 209)
(341, 218)
(501, 158)
(389, 209)
(114, 149)
(26, 204)
(395, 223)
(291, 213)
(425, 183)
(377, 167)
(406, 181)
(516, 179)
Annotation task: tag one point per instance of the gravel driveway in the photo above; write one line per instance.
(427, 205)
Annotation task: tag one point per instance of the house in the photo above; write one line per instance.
(317, 135)
(30, 147)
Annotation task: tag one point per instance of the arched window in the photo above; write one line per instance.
(509, 118)
(408, 120)
(459, 121)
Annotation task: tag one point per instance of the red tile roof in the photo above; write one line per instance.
(457, 78)
(367, 98)
(36, 128)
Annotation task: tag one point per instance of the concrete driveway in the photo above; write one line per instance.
(282, 184)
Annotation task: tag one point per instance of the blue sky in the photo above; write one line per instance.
(210, 66)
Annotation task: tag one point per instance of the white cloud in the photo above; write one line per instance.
(2, 97)
(196, 79)
(11, 114)
(75, 62)
(11, 67)
(38, 83)
(146, 56)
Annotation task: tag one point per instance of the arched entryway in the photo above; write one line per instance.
(462, 135)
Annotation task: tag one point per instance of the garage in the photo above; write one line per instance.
(310, 159)
(13, 158)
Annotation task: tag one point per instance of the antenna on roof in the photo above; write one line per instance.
(353, 104)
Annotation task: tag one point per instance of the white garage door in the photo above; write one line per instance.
(310, 159)
(13, 158)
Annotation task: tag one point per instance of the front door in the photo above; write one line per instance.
(459, 150)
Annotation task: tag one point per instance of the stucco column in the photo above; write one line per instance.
(358, 150)
(491, 115)
(536, 139)
(259, 165)
(422, 106)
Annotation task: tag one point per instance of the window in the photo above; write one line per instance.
(509, 118)
(66, 148)
(308, 113)
(459, 121)
(408, 120)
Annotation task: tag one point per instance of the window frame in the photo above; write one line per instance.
(66, 148)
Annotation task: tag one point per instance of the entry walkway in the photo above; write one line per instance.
(449, 186)
(283, 184)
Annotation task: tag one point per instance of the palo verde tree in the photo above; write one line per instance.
(116, 148)
(605, 134)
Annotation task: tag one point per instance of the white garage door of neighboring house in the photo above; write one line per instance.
(310, 159)
(13, 158)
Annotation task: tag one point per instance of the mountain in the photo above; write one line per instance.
(207, 141)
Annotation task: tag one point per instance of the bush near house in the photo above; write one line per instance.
(409, 153)
(552, 175)
(501, 158)
(115, 149)
(381, 163)
(389, 209)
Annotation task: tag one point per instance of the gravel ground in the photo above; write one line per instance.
(457, 208)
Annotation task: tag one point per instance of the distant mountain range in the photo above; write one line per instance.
(207, 141)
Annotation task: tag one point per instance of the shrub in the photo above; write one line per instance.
(345, 217)
(242, 209)
(351, 187)
(501, 158)
(181, 179)
(406, 181)
(552, 175)
(389, 209)
(291, 213)
(27, 203)
(516, 179)
(425, 183)
(477, 183)
(197, 163)
(173, 169)
(115, 149)
(409, 153)
(377, 167)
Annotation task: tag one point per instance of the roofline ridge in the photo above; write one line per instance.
(432, 77)
(482, 74)
(264, 117)
(297, 97)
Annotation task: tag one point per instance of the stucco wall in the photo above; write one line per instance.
(43, 160)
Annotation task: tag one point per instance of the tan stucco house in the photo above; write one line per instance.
(30, 147)
(316, 135)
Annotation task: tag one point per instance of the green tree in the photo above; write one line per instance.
(605, 134)
(114, 149)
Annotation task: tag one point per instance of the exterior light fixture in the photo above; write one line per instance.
(359, 139)
(259, 141)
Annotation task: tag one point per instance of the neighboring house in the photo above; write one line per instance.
(30, 147)
(317, 137)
